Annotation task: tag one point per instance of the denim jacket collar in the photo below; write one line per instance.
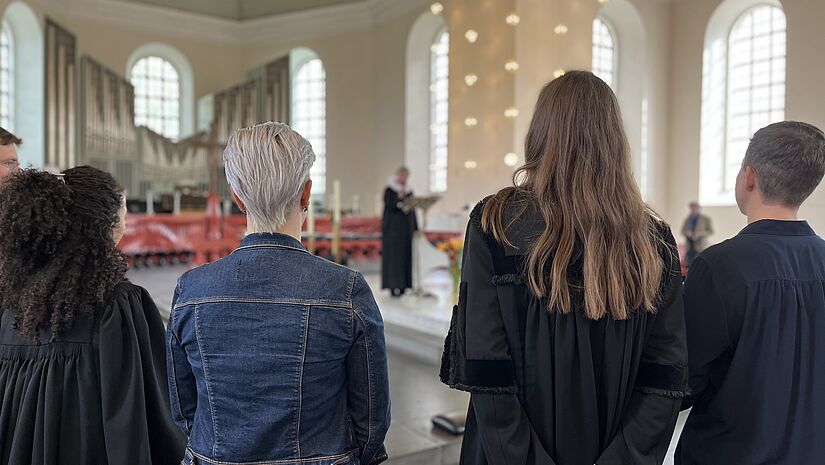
(269, 239)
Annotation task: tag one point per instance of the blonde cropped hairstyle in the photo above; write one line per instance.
(267, 166)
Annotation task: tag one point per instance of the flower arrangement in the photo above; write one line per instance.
(454, 248)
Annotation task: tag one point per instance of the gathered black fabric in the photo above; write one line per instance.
(561, 389)
(94, 395)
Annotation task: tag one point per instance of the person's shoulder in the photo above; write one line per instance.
(127, 290)
(478, 211)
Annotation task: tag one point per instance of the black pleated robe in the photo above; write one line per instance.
(555, 389)
(95, 395)
(397, 233)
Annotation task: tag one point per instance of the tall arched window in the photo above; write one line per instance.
(756, 81)
(309, 115)
(743, 88)
(604, 52)
(6, 77)
(157, 96)
(439, 111)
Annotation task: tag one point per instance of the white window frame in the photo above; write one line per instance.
(186, 80)
(714, 156)
(614, 48)
(438, 168)
(299, 58)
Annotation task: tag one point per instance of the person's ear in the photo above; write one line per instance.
(306, 195)
(238, 202)
(751, 179)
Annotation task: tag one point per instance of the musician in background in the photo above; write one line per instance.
(397, 230)
(696, 229)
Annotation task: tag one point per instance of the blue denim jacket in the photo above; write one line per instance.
(278, 356)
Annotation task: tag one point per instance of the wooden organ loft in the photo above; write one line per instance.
(90, 120)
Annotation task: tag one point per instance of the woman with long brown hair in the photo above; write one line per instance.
(569, 331)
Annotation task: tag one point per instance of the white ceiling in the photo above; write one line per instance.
(241, 10)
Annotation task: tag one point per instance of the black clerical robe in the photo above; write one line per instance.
(561, 389)
(755, 312)
(398, 228)
(95, 395)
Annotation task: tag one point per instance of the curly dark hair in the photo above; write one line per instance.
(60, 259)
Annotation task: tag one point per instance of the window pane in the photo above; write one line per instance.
(309, 103)
(439, 111)
(756, 81)
(6, 78)
(604, 52)
(157, 96)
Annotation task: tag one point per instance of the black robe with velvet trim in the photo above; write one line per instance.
(555, 389)
(95, 395)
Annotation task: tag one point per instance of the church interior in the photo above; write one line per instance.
(150, 90)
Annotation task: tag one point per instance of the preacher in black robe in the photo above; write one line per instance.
(397, 231)
(95, 395)
(561, 389)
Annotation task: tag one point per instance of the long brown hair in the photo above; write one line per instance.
(577, 174)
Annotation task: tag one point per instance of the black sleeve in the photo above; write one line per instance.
(707, 327)
(477, 360)
(662, 382)
(391, 201)
(137, 426)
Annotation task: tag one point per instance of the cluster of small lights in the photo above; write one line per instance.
(471, 79)
(558, 73)
(471, 164)
(561, 29)
(512, 19)
(471, 36)
(436, 8)
(511, 112)
(511, 159)
(471, 122)
(511, 65)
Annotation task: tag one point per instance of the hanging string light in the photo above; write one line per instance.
(436, 8)
(471, 122)
(513, 19)
(471, 36)
(471, 79)
(511, 65)
(511, 112)
(561, 29)
(511, 159)
(471, 164)
(558, 73)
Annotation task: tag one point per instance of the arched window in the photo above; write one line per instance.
(309, 113)
(604, 52)
(6, 77)
(743, 88)
(157, 95)
(439, 111)
(756, 81)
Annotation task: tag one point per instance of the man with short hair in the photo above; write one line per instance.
(755, 313)
(9, 163)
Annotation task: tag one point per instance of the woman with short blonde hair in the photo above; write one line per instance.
(276, 355)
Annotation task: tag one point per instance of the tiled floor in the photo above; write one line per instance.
(416, 393)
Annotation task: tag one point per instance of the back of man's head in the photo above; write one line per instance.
(789, 161)
(7, 138)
